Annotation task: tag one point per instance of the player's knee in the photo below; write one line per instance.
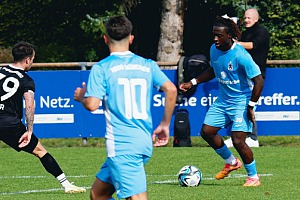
(238, 143)
(203, 133)
(95, 195)
(92, 194)
(206, 132)
(39, 151)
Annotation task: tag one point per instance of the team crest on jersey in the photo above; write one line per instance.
(230, 66)
(223, 75)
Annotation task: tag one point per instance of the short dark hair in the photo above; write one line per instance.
(118, 27)
(22, 50)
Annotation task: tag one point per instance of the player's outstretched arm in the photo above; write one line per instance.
(162, 131)
(90, 103)
(208, 75)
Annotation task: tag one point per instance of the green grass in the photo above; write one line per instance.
(196, 142)
(23, 177)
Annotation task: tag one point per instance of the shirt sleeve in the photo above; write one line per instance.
(29, 85)
(251, 68)
(96, 85)
(159, 77)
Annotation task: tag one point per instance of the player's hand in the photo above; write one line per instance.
(25, 139)
(185, 86)
(251, 115)
(163, 133)
(79, 92)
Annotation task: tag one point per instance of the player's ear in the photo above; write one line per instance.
(106, 39)
(27, 60)
(131, 38)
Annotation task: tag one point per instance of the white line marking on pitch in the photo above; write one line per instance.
(35, 191)
(20, 177)
(207, 178)
(211, 177)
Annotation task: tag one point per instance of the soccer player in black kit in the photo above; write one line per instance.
(16, 84)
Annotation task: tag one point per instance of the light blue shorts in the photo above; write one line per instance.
(222, 115)
(126, 173)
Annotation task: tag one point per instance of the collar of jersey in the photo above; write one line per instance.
(231, 48)
(121, 53)
(233, 45)
(16, 67)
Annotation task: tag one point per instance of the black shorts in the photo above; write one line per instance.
(11, 137)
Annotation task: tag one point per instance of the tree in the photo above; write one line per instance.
(66, 30)
(170, 45)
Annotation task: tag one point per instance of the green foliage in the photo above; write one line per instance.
(283, 23)
(281, 18)
(95, 25)
(62, 30)
(67, 31)
(5, 55)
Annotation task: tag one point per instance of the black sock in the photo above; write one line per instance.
(51, 165)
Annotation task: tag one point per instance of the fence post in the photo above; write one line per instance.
(83, 65)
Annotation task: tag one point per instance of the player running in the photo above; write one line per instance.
(124, 82)
(15, 84)
(236, 72)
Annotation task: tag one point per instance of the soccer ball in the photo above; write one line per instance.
(189, 176)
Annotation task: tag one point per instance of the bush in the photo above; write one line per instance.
(5, 55)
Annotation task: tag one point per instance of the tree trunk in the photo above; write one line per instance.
(170, 46)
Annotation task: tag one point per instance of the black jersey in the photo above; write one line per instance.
(14, 82)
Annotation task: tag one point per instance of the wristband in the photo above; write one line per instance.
(251, 103)
(194, 82)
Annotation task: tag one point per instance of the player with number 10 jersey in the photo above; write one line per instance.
(124, 81)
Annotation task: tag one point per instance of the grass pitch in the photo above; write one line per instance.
(23, 177)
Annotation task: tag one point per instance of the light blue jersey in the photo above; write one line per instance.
(124, 81)
(234, 70)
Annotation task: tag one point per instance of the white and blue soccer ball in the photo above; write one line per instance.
(189, 176)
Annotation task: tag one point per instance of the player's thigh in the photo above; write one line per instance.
(216, 116)
(240, 121)
(101, 189)
(124, 172)
(12, 135)
(104, 173)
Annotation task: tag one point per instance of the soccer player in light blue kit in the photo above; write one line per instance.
(124, 82)
(240, 84)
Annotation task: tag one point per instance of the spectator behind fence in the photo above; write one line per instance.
(233, 67)
(124, 82)
(256, 40)
(16, 85)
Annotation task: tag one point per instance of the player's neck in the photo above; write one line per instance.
(18, 65)
(113, 49)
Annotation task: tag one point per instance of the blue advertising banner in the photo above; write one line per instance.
(59, 116)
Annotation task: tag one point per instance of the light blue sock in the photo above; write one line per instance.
(226, 154)
(251, 169)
